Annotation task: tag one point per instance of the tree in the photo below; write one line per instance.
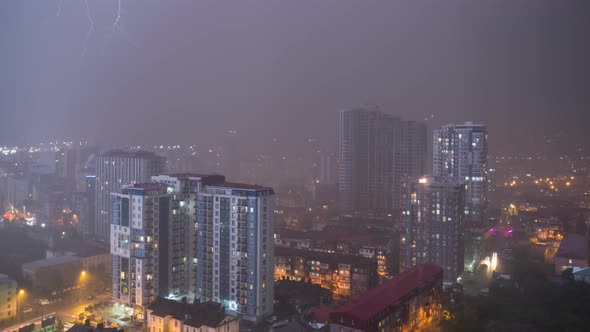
(495, 326)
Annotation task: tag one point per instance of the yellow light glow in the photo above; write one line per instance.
(423, 180)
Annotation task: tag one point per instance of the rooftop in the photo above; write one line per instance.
(5, 278)
(207, 179)
(340, 235)
(464, 124)
(80, 247)
(389, 293)
(50, 262)
(209, 314)
(130, 154)
(585, 272)
(573, 246)
(88, 328)
(217, 180)
(146, 186)
(245, 186)
(324, 257)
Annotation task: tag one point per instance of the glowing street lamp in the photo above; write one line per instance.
(21, 292)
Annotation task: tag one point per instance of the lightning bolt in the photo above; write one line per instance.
(90, 28)
(59, 3)
(116, 23)
(119, 28)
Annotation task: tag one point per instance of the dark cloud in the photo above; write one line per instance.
(187, 71)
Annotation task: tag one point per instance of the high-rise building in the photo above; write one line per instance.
(140, 232)
(196, 236)
(376, 151)
(87, 223)
(432, 225)
(412, 150)
(410, 155)
(235, 248)
(114, 169)
(460, 153)
(327, 164)
(184, 189)
(366, 161)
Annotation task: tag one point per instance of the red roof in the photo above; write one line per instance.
(322, 313)
(390, 292)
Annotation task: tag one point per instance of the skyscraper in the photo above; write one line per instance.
(460, 153)
(114, 169)
(140, 233)
(432, 225)
(376, 151)
(410, 155)
(184, 189)
(235, 248)
(196, 236)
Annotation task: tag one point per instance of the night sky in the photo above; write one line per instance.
(188, 71)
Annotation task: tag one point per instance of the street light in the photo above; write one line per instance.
(82, 280)
(20, 293)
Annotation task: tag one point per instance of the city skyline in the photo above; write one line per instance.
(259, 165)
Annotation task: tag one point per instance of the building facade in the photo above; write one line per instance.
(114, 169)
(234, 248)
(432, 225)
(54, 275)
(460, 153)
(8, 294)
(140, 231)
(376, 151)
(197, 237)
(87, 223)
(409, 301)
(346, 276)
(165, 315)
(379, 246)
(184, 190)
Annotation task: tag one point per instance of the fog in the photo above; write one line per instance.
(177, 72)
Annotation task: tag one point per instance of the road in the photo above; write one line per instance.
(67, 309)
(498, 238)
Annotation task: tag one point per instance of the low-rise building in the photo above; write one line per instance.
(54, 275)
(345, 275)
(92, 255)
(379, 246)
(165, 315)
(89, 328)
(7, 298)
(406, 302)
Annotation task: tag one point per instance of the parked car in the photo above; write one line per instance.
(41, 301)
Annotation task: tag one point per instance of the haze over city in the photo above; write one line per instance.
(256, 66)
(294, 166)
